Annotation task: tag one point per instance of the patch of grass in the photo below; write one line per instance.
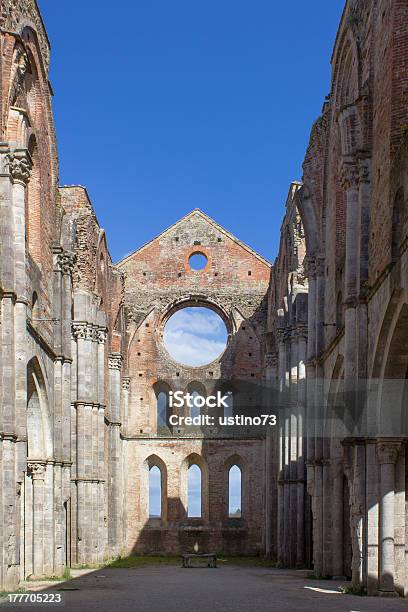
(349, 590)
(4, 594)
(88, 566)
(65, 576)
(135, 561)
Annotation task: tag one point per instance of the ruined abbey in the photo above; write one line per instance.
(84, 371)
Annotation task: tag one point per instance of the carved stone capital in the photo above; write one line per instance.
(65, 262)
(115, 361)
(364, 167)
(36, 470)
(19, 165)
(387, 452)
(126, 383)
(101, 335)
(301, 332)
(349, 175)
(79, 331)
(310, 267)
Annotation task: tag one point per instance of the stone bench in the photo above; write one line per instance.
(210, 560)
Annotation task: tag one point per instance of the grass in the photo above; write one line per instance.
(5, 593)
(135, 561)
(65, 576)
(349, 590)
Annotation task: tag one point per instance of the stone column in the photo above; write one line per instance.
(318, 374)
(282, 519)
(293, 449)
(37, 471)
(125, 402)
(15, 174)
(114, 480)
(350, 181)
(270, 480)
(337, 502)
(387, 453)
(372, 501)
(301, 404)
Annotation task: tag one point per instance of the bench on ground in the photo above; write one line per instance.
(196, 560)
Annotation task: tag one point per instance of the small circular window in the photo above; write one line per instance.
(195, 336)
(197, 261)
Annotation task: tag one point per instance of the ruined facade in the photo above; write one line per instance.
(83, 362)
(353, 208)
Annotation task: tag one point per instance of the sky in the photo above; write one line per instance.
(162, 107)
(195, 336)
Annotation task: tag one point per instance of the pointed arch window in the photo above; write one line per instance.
(162, 407)
(196, 404)
(229, 409)
(194, 492)
(235, 492)
(155, 492)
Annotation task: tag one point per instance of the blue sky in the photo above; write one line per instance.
(162, 107)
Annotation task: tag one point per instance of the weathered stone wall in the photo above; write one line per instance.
(158, 281)
(353, 206)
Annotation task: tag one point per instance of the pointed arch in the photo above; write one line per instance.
(154, 489)
(199, 393)
(39, 431)
(236, 461)
(162, 405)
(201, 483)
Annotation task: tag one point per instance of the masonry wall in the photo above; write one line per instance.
(353, 206)
(158, 281)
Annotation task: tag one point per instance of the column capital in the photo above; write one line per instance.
(115, 361)
(310, 267)
(387, 452)
(349, 173)
(64, 262)
(19, 165)
(126, 383)
(79, 331)
(101, 335)
(364, 170)
(301, 331)
(36, 469)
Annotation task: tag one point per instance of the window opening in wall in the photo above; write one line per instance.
(197, 261)
(194, 509)
(229, 410)
(154, 492)
(235, 492)
(196, 404)
(162, 409)
(195, 336)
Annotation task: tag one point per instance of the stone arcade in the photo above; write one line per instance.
(83, 367)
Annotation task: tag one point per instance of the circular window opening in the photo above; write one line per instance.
(197, 261)
(195, 336)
